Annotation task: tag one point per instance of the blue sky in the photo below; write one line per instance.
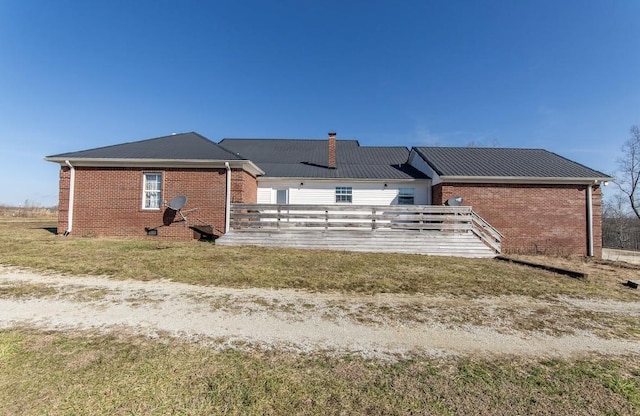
(559, 75)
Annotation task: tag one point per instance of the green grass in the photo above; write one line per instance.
(28, 244)
(58, 374)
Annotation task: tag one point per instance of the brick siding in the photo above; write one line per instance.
(108, 201)
(63, 199)
(534, 219)
(244, 187)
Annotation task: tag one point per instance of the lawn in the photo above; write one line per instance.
(61, 373)
(30, 244)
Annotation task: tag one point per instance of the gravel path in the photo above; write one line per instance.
(373, 326)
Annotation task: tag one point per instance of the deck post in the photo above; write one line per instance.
(373, 218)
(278, 218)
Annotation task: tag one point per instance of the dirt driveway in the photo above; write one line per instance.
(376, 326)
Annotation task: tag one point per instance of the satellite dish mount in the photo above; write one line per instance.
(176, 205)
(173, 208)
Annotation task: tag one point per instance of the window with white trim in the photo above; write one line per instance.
(282, 196)
(152, 190)
(344, 195)
(406, 196)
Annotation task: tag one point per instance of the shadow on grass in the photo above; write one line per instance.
(52, 230)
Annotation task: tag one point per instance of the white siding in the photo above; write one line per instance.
(419, 163)
(323, 192)
(423, 194)
(264, 196)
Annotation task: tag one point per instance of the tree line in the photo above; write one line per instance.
(621, 212)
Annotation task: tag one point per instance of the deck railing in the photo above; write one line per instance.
(273, 217)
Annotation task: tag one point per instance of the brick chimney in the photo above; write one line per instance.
(331, 163)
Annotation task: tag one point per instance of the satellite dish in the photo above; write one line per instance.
(454, 201)
(178, 202)
(169, 216)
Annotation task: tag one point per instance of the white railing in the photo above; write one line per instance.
(273, 217)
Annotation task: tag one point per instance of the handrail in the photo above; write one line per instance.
(486, 232)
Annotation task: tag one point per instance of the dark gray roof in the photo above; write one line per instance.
(503, 162)
(183, 146)
(308, 158)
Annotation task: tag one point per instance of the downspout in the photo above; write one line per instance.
(72, 185)
(589, 221)
(227, 215)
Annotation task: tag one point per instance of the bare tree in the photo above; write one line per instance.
(628, 178)
(619, 225)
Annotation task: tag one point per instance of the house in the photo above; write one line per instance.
(119, 190)
(539, 201)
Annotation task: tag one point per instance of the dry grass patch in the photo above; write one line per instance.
(25, 290)
(31, 245)
(601, 272)
(58, 374)
(41, 290)
(82, 294)
(504, 315)
(26, 211)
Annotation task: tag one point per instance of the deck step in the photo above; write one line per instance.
(462, 244)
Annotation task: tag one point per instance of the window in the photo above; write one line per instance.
(152, 193)
(344, 195)
(281, 197)
(406, 196)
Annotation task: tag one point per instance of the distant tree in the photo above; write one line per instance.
(618, 223)
(628, 176)
(483, 143)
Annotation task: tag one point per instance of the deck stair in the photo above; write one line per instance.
(433, 242)
(445, 231)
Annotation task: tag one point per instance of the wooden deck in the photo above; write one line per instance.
(422, 229)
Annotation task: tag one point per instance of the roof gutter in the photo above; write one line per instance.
(72, 186)
(245, 164)
(526, 180)
(269, 179)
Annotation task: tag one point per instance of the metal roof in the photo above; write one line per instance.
(308, 158)
(183, 146)
(503, 162)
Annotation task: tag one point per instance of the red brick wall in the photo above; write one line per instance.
(63, 196)
(533, 219)
(108, 201)
(597, 221)
(244, 187)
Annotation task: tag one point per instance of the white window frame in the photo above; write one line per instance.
(406, 196)
(152, 198)
(286, 196)
(344, 195)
